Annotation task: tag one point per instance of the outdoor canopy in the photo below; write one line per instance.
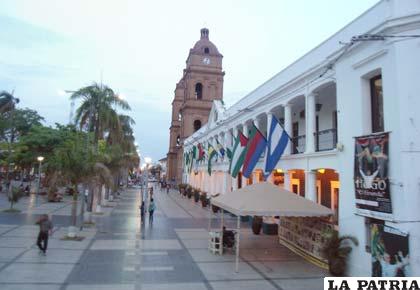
(267, 199)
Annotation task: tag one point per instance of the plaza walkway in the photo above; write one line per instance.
(121, 253)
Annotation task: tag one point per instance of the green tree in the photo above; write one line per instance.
(7, 102)
(71, 163)
(97, 112)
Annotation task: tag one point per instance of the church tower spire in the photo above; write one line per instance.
(200, 85)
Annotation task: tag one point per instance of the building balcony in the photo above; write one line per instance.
(325, 139)
(298, 144)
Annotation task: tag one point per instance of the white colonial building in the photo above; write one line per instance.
(362, 80)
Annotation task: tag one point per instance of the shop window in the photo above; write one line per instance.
(197, 125)
(199, 91)
(376, 98)
(278, 177)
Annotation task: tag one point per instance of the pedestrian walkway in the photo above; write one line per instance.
(122, 253)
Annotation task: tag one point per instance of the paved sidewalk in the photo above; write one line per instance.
(122, 253)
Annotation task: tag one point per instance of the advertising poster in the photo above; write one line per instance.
(371, 180)
(389, 247)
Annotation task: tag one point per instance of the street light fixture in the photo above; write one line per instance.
(40, 159)
(147, 160)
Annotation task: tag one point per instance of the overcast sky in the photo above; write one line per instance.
(140, 47)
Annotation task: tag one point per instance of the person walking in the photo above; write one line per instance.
(142, 212)
(152, 208)
(45, 229)
(167, 188)
(151, 192)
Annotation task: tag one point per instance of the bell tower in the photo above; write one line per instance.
(201, 83)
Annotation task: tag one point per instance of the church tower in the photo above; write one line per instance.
(201, 83)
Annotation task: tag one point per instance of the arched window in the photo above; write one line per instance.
(199, 91)
(179, 116)
(206, 50)
(178, 140)
(197, 125)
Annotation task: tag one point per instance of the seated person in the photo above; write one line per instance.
(228, 238)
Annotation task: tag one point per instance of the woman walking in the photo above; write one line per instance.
(152, 208)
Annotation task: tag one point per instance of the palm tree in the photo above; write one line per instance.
(97, 113)
(7, 102)
(121, 148)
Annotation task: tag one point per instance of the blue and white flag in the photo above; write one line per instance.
(276, 143)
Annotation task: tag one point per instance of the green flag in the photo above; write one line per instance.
(211, 153)
(238, 154)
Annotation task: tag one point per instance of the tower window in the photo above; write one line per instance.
(376, 98)
(206, 50)
(179, 116)
(178, 140)
(197, 125)
(199, 91)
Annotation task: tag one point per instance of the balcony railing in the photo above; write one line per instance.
(298, 144)
(325, 139)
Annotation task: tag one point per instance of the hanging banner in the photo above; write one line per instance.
(371, 180)
(389, 248)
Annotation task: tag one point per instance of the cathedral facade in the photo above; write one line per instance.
(201, 83)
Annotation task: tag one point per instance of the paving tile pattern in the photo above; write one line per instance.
(122, 252)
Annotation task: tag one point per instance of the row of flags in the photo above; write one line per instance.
(245, 152)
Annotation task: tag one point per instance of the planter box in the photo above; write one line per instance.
(270, 229)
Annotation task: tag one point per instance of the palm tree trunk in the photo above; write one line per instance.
(74, 208)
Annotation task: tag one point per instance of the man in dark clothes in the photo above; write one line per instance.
(142, 212)
(45, 229)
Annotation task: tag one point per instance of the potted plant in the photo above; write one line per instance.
(14, 197)
(257, 224)
(181, 188)
(189, 191)
(196, 194)
(203, 198)
(337, 250)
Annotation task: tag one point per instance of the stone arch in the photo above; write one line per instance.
(197, 125)
(199, 91)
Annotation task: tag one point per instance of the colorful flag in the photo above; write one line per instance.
(211, 153)
(229, 153)
(276, 143)
(256, 145)
(201, 153)
(191, 157)
(238, 154)
(220, 149)
(187, 161)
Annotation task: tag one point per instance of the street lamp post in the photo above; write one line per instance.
(40, 159)
(147, 160)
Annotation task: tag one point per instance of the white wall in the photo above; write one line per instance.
(398, 62)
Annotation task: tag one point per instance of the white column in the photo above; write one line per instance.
(257, 123)
(288, 126)
(287, 180)
(310, 123)
(235, 180)
(245, 132)
(310, 185)
(224, 188)
(269, 119)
